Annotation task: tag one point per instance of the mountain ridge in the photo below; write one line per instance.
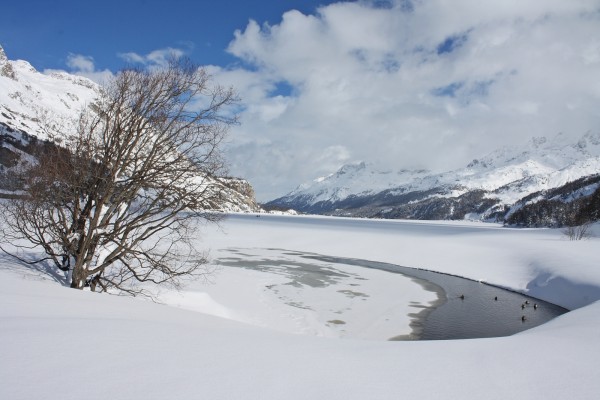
(487, 188)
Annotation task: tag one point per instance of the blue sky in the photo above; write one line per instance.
(399, 83)
(45, 32)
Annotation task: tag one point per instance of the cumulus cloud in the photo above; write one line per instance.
(78, 62)
(84, 66)
(155, 59)
(424, 83)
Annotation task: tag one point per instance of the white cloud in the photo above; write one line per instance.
(78, 62)
(430, 84)
(84, 66)
(156, 58)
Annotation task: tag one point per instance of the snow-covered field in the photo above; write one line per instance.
(271, 332)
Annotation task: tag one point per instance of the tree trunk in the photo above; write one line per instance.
(78, 277)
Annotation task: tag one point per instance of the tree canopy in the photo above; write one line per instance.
(118, 200)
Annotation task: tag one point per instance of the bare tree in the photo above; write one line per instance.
(578, 232)
(119, 200)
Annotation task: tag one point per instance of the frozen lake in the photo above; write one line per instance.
(464, 308)
(270, 276)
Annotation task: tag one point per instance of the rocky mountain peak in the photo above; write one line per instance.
(5, 67)
(3, 58)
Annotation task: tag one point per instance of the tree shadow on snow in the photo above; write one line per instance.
(27, 262)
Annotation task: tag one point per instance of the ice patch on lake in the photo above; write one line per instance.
(285, 291)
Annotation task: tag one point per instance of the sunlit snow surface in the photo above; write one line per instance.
(283, 290)
(67, 344)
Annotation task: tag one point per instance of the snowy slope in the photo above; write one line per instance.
(356, 179)
(123, 348)
(29, 99)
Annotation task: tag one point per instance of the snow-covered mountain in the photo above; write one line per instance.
(31, 102)
(487, 188)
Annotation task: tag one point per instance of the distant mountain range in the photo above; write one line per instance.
(549, 182)
(31, 102)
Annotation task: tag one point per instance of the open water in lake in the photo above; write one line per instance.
(477, 315)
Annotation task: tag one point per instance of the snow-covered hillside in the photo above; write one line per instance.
(30, 99)
(500, 179)
(32, 103)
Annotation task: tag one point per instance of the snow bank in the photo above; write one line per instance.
(59, 343)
